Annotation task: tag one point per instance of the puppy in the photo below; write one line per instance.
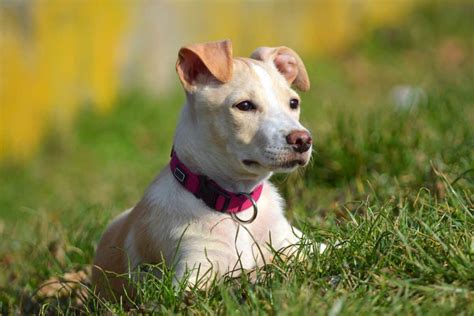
(212, 209)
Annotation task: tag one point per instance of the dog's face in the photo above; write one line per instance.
(246, 108)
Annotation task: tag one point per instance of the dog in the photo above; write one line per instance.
(213, 208)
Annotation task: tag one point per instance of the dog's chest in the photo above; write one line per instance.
(246, 243)
(205, 236)
(237, 244)
(245, 247)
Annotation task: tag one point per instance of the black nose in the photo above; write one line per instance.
(300, 140)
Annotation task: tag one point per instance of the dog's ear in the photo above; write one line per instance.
(197, 63)
(288, 63)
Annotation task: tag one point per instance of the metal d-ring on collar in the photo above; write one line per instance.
(255, 210)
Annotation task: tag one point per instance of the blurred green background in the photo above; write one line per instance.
(89, 103)
(57, 55)
(89, 98)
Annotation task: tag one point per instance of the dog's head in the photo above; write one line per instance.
(244, 109)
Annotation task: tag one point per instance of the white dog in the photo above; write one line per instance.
(212, 208)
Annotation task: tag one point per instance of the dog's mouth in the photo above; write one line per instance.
(289, 164)
(292, 164)
(250, 163)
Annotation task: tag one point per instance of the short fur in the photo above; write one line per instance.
(214, 138)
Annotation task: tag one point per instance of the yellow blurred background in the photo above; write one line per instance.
(57, 56)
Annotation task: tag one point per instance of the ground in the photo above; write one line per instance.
(389, 189)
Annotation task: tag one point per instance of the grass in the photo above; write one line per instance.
(390, 190)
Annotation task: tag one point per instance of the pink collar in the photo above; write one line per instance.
(209, 191)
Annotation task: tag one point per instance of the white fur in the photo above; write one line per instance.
(278, 121)
(267, 87)
(171, 224)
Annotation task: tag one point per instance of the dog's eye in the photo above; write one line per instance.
(246, 106)
(294, 103)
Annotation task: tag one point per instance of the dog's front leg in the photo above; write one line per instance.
(287, 240)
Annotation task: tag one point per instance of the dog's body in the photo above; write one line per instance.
(239, 125)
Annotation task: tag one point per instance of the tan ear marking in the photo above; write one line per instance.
(288, 63)
(208, 59)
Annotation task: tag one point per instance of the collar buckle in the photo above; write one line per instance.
(179, 175)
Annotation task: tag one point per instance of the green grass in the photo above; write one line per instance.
(393, 188)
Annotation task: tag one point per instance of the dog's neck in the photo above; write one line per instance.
(208, 161)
